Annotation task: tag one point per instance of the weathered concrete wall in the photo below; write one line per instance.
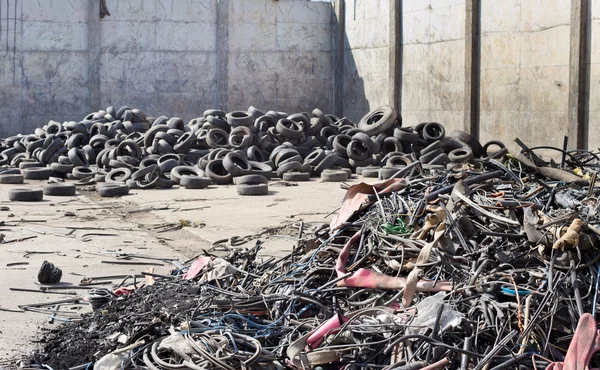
(43, 63)
(366, 57)
(593, 140)
(433, 62)
(280, 55)
(525, 71)
(161, 56)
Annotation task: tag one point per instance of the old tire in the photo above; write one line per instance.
(217, 172)
(59, 189)
(37, 173)
(378, 121)
(296, 176)
(257, 189)
(334, 175)
(114, 189)
(194, 182)
(25, 195)
(11, 179)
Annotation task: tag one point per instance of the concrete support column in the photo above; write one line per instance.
(472, 66)
(338, 56)
(578, 74)
(395, 48)
(94, 54)
(222, 54)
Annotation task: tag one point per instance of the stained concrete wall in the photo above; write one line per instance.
(525, 71)
(161, 56)
(43, 63)
(433, 62)
(593, 114)
(280, 55)
(366, 57)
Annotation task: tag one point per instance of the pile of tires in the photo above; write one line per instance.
(125, 148)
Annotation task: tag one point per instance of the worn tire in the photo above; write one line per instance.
(236, 164)
(217, 172)
(257, 189)
(82, 172)
(327, 162)
(252, 180)
(296, 176)
(25, 195)
(370, 172)
(194, 182)
(118, 175)
(115, 189)
(334, 175)
(461, 155)
(288, 167)
(59, 189)
(178, 172)
(37, 173)
(378, 121)
(11, 179)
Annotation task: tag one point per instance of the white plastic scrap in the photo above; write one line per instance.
(426, 315)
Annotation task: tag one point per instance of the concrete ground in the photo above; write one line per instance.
(78, 233)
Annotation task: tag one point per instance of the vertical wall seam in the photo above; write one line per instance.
(395, 54)
(339, 21)
(578, 73)
(222, 54)
(94, 54)
(472, 66)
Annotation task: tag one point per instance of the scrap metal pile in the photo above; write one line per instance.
(125, 149)
(492, 263)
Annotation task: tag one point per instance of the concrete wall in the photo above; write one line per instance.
(280, 55)
(433, 62)
(525, 71)
(43, 63)
(161, 56)
(593, 137)
(366, 57)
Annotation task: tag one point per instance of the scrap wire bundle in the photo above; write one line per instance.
(492, 265)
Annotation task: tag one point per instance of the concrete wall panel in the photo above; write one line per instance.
(524, 71)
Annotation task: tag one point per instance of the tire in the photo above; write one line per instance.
(340, 144)
(115, 189)
(296, 176)
(334, 175)
(11, 179)
(397, 160)
(254, 153)
(62, 168)
(78, 157)
(370, 172)
(327, 162)
(461, 155)
(262, 169)
(469, 140)
(289, 129)
(358, 151)
(315, 157)
(59, 189)
(433, 131)
(194, 182)
(217, 172)
(37, 173)
(118, 175)
(487, 146)
(252, 180)
(258, 189)
(239, 118)
(82, 172)
(24, 165)
(100, 177)
(217, 138)
(236, 164)
(425, 158)
(241, 138)
(441, 159)
(178, 172)
(378, 121)
(167, 165)
(288, 167)
(25, 195)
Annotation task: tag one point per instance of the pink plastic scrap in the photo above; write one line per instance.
(196, 267)
(330, 326)
(364, 278)
(355, 197)
(584, 344)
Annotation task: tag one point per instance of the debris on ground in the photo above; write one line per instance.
(490, 263)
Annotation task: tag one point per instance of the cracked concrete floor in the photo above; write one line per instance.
(79, 233)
